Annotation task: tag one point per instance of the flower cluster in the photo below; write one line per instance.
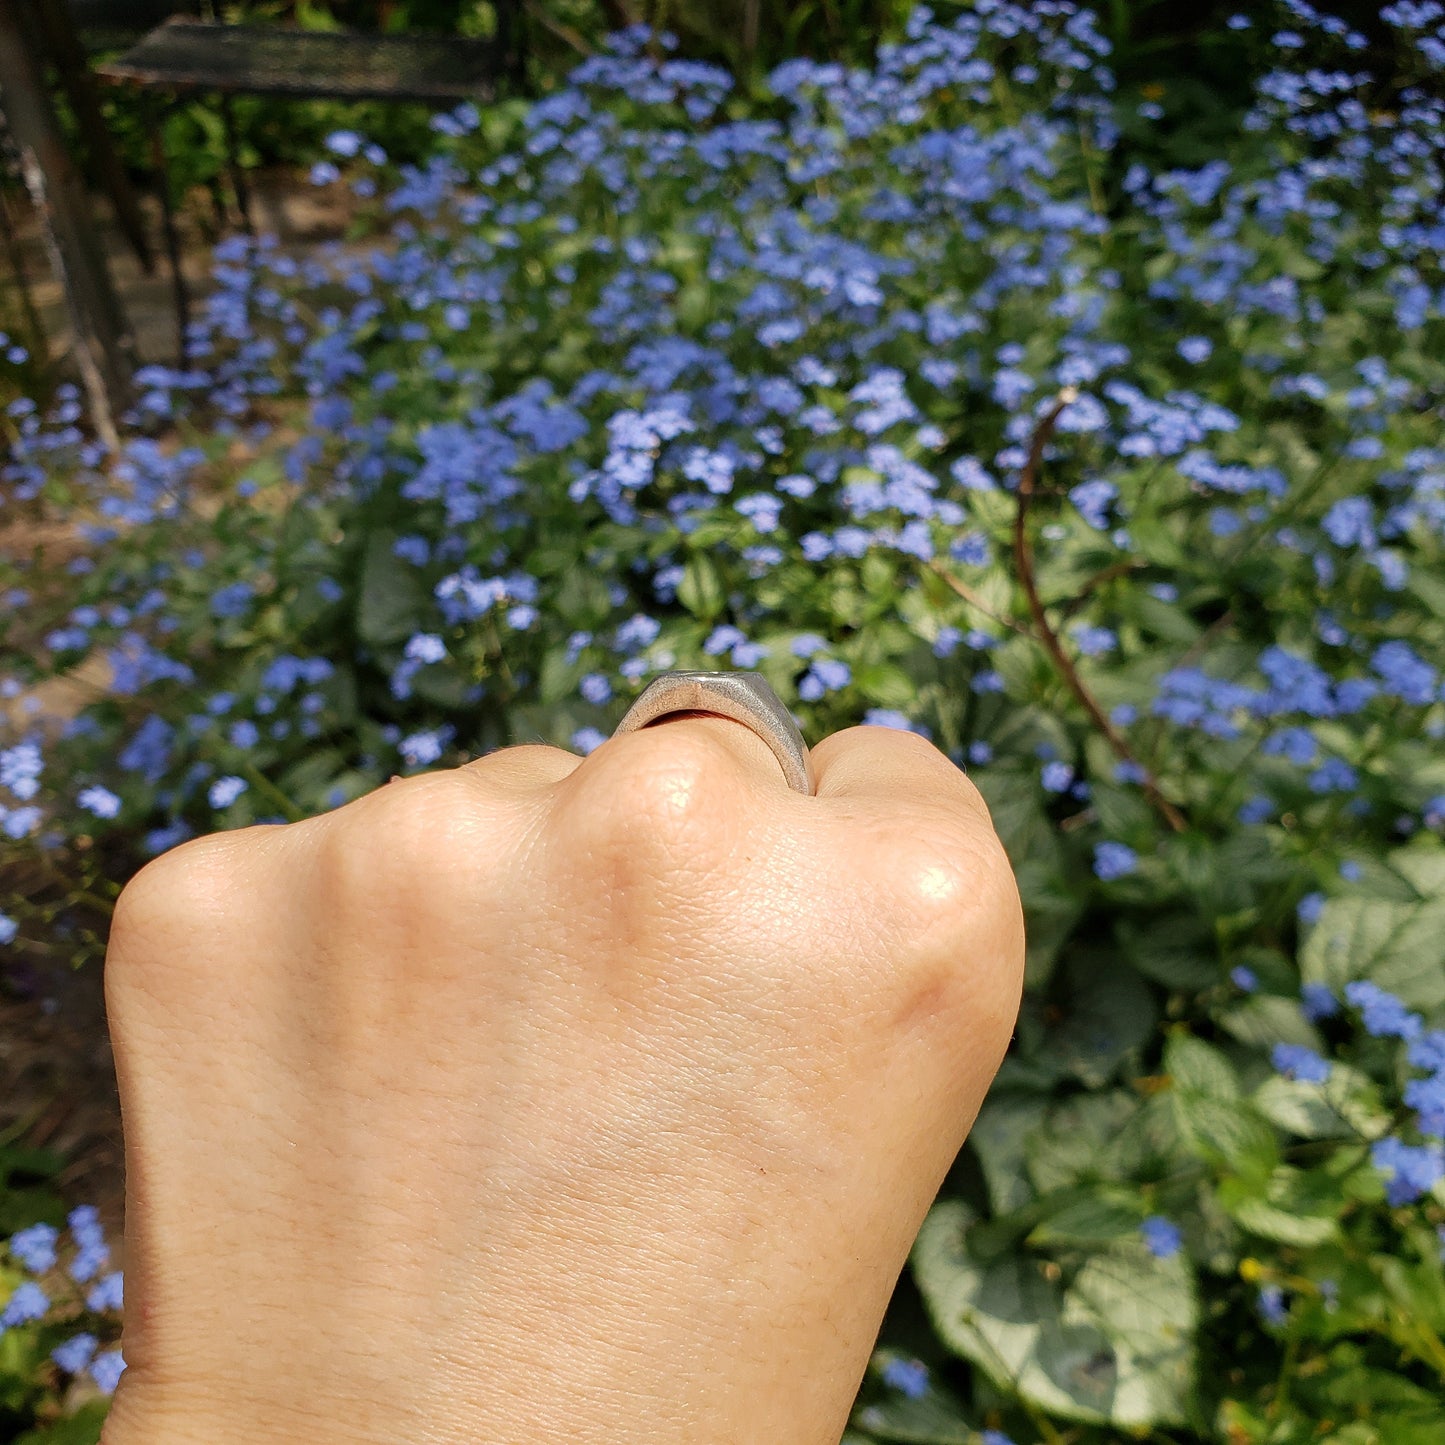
(53, 1291)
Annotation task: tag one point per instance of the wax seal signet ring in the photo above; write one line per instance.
(746, 697)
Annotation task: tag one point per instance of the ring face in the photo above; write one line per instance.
(746, 697)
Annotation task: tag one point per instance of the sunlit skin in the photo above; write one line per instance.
(552, 1098)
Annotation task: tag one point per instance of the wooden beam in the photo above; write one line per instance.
(104, 350)
(50, 21)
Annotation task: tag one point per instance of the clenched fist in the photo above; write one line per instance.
(552, 1098)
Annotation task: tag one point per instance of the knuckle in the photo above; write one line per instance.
(660, 786)
(176, 890)
(408, 840)
(945, 871)
(964, 922)
(169, 918)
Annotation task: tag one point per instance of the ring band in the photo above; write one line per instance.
(746, 697)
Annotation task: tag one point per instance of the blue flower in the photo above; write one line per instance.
(1427, 1096)
(99, 801)
(1407, 675)
(29, 1302)
(1094, 641)
(421, 749)
(8, 929)
(1244, 978)
(1383, 1015)
(1196, 349)
(1161, 1237)
(1114, 860)
(107, 1369)
(1272, 1308)
(224, 791)
(1295, 1061)
(1412, 1171)
(595, 688)
(85, 1227)
(107, 1295)
(1257, 809)
(1057, 777)
(883, 717)
(1351, 523)
(1093, 500)
(588, 740)
(1310, 907)
(1428, 1051)
(35, 1247)
(909, 1377)
(1318, 1002)
(20, 769)
(75, 1353)
(425, 648)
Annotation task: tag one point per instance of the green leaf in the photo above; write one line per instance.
(1291, 1207)
(558, 678)
(442, 683)
(999, 1138)
(392, 603)
(1266, 1019)
(1053, 910)
(1073, 1147)
(81, 1428)
(885, 685)
(1399, 946)
(1016, 807)
(932, 1418)
(1214, 1121)
(701, 590)
(1175, 950)
(1198, 1068)
(1165, 620)
(1115, 1345)
(1089, 1219)
(1346, 1105)
(1109, 1014)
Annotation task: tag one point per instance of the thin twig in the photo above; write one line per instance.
(1024, 562)
(977, 602)
(560, 29)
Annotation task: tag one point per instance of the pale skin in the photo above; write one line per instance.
(552, 1099)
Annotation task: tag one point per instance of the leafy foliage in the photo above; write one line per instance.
(920, 392)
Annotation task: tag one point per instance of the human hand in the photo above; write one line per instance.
(552, 1098)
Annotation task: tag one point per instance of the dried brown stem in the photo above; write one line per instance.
(1024, 563)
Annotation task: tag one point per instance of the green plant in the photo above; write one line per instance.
(1135, 508)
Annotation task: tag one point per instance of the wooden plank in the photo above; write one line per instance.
(185, 55)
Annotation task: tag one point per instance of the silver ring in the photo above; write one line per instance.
(746, 697)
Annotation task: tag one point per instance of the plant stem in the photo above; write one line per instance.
(1024, 563)
(977, 602)
(254, 775)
